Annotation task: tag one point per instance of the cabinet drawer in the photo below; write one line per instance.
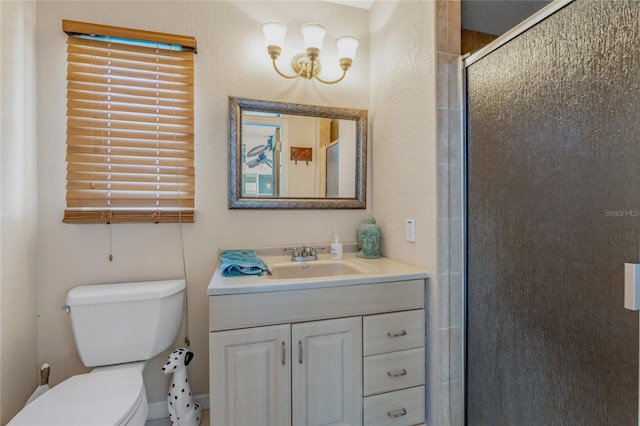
(242, 310)
(393, 332)
(400, 408)
(392, 371)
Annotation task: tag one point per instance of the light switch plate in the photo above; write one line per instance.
(410, 230)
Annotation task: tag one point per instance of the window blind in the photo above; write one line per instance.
(130, 127)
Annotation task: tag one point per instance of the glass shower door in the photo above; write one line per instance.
(553, 196)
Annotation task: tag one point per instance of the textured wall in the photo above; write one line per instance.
(18, 201)
(231, 60)
(554, 195)
(404, 152)
(403, 124)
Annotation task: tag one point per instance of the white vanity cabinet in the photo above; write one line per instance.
(326, 377)
(301, 374)
(319, 355)
(250, 376)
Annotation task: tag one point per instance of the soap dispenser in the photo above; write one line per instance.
(336, 248)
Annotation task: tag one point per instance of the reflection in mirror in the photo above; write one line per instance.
(273, 167)
(296, 156)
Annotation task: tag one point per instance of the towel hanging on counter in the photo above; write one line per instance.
(235, 263)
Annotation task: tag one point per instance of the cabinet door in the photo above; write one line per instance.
(250, 377)
(327, 372)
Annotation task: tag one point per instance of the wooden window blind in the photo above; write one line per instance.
(130, 125)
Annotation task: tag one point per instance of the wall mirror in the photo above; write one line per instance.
(295, 156)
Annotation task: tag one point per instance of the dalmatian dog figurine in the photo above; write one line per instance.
(182, 410)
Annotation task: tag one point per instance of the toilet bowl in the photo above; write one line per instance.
(117, 328)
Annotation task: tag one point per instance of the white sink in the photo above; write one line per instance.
(321, 273)
(315, 268)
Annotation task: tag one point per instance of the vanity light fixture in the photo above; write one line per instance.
(307, 64)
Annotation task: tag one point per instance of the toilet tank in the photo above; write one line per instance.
(125, 322)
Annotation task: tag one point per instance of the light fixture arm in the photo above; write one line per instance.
(299, 74)
(309, 69)
(344, 73)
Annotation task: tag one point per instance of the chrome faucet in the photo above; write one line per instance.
(308, 253)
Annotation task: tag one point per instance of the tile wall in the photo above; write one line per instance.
(450, 226)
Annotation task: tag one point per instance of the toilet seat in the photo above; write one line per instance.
(110, 397)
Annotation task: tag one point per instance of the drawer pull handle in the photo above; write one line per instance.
(284, 354)
(397, 373)
(300, 351)
(397, 413)
(399, 333)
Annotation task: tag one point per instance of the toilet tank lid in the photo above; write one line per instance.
(123, 292)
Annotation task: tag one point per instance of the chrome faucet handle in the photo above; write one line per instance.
(313, 251)
(295, 252)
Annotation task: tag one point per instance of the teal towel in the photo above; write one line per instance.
(235, 263)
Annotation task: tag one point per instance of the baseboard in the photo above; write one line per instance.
(158, 410)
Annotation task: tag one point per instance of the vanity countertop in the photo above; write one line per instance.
(374, 271)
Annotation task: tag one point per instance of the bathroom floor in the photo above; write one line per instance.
(166, 422)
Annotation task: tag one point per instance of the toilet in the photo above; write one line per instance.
(117, 328)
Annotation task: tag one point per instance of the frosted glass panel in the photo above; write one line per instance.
(553, 198)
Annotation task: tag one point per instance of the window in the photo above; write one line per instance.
(130, 125)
